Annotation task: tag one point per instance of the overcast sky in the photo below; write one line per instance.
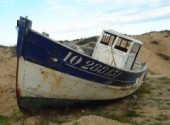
(72, 19)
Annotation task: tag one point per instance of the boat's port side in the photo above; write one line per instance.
(52, 74)
(35, 81)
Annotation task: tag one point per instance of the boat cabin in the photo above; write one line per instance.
(117, 49)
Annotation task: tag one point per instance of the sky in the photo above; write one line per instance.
(74, 19)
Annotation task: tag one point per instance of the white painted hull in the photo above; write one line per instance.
(41, 82)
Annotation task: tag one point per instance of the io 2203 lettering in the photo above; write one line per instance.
(91, 66)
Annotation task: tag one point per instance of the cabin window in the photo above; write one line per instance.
(108, 39)
(122, 44)
(135, 48)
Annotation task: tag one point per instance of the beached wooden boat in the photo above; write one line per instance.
(50, 73)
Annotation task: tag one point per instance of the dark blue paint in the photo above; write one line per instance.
(24, 26)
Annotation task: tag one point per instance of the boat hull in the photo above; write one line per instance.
(38, 81)
(40, 87)
(52, 74)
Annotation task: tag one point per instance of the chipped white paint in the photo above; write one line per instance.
(55, 59)
(38, 81)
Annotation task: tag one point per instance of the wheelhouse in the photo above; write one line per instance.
(117, 49)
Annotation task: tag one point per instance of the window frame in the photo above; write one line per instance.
(123, 44)
(107, 39)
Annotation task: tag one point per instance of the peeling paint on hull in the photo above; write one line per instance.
(38, 81)
(40, 87)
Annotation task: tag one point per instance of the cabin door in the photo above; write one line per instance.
(118, 58)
